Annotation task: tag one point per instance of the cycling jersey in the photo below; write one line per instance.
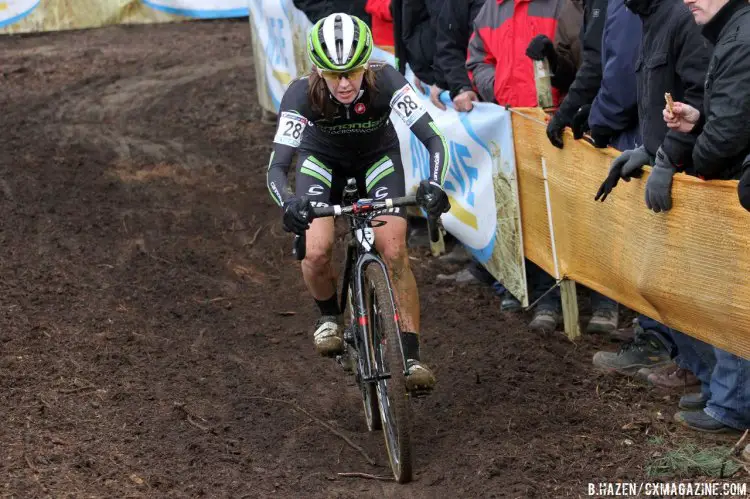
(355, 136)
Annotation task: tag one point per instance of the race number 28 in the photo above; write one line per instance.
(291, 126)
(407, 105)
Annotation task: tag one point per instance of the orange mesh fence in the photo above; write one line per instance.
(688, 268)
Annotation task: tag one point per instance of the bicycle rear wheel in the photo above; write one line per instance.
(393, 398)
(367, 390)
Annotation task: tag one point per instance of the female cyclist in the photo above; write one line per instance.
(337, 121)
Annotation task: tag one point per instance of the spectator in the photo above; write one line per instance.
(564, 55)
(497, 64)
(723, 142)
(501, 72)
(414, 22)
(666, 24)
(382, 23)
(612, 117)
(316, 10)
(454, 27)
(588, 78)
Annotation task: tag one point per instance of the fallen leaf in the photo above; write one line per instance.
(287, 313)
(136, 479)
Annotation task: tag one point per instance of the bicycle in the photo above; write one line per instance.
(372, 339)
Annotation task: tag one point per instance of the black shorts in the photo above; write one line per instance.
(323, 180)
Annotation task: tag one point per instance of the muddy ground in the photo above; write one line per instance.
(152, 320)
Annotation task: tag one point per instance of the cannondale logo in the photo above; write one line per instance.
(381, 193)
(315, 190)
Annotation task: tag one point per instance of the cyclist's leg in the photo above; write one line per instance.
(385, 179)
(314, 180)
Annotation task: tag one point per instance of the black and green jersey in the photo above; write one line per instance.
(356, 133)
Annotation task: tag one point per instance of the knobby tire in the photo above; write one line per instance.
(392, 393)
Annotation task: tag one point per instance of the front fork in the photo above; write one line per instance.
(362, 323)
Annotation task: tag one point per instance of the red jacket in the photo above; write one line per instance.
(382, 23)
(497, 63)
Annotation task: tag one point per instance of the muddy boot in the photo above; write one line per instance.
(419, 377)
(645, 350)
(509, 303)
(700, 421)
(673, 377)
(545, 320)
(328, 338)
(603, 321)
(693, 402)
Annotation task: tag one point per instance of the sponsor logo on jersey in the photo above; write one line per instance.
(381, 193)
(360, 108)
(315, 190)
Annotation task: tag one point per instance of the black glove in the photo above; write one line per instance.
(296, 211)
(627, 165)
(659, 183)
(432, 198)
(743, 189)
(539, 48)
(601, 136)
(555, 128)
(580, 123)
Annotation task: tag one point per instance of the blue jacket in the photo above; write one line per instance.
(615, 108)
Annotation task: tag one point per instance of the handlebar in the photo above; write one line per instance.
(361, 207)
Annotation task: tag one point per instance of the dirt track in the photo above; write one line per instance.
(144, 284)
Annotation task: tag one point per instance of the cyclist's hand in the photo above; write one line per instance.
(296, 211)
(432, 198)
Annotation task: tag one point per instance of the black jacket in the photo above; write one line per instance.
(414, 25)
(589, 76)
(674, 58)
(724, 140)
(453, 31)
(315, 10)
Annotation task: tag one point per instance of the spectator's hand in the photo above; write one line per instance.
(627, 165)
(555, 128)
(683, 119)
(540, 47)
(417, 83)
(463, 102)
(659, 183)
(743, 189)
(432, 198)
(601, 137)
(435, 92)
(296, 211)
(580, 123)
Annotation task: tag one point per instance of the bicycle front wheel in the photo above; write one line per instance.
(393, 398)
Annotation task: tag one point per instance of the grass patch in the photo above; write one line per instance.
(689, 461)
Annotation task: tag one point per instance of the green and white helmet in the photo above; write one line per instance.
(339, 42)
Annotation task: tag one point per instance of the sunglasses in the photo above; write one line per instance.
(335, 76)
